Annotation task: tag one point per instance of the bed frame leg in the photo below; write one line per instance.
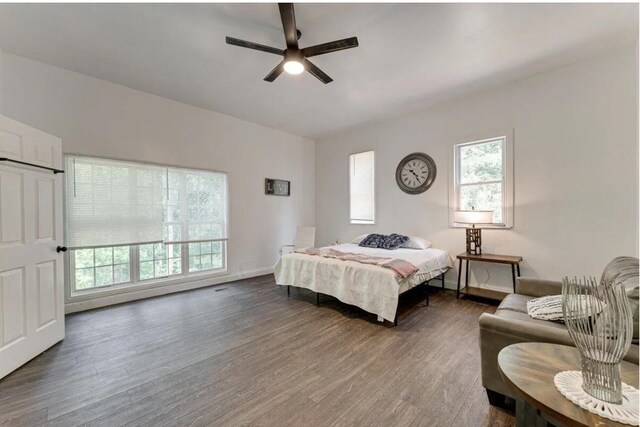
(288, 290)
(317, 299)
(395, 320)
(442, 277)
(426, 291)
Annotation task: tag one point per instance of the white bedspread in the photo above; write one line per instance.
(370, 287)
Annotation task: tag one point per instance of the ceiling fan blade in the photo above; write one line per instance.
(275, 72)
(316, 72)
(255, 46)
(329, 47)
(288, 17)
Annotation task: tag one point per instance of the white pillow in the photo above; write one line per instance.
(546, 308)
(415, 242)
(550, 307)
(359, 239)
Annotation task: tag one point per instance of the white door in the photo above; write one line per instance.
(31, 270)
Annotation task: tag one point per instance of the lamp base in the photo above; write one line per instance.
(474, 241)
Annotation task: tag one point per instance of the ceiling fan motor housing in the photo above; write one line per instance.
(293, 55)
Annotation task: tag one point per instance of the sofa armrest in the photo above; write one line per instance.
(521, 331)
(537, 287)
(498, 332)
(525, 331)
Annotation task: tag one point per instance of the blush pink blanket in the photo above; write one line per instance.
(401, 267)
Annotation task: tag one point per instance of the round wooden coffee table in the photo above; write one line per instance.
(529, 368)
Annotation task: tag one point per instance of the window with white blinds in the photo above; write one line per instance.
(362, 187)
(131, 223)
(110, 203)
(196, 206)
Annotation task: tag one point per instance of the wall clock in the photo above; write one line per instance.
(415, 173)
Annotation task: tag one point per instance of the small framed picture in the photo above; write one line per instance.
(277, 187)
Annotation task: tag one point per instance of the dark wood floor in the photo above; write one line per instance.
(245, 354)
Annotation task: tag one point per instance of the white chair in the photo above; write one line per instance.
(305, 238)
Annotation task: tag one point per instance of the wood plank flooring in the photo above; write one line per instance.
(244, 353)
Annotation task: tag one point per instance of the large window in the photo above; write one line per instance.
(483, 178)
(188, 235)
(362, 188)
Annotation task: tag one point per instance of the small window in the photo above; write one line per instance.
(158, 260)
(483, 179)
(95, 268)
(362, 188)
(206, 256)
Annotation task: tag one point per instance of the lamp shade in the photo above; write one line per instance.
(473, 217)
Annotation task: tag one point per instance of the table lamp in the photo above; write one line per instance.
(474, 235)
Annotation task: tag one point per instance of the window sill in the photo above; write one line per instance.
(123, 288)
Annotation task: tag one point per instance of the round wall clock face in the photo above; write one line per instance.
(416, 173)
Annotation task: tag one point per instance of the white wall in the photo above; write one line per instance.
(1, 80)
(575, 143)
(576, 170)
(97, 118)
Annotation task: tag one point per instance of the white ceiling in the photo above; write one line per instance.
(410, 55)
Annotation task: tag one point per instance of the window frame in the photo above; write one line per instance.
(375, 189)
(135, 284)
(138, 263)
(507, 178)
(222, 253)
(72, 271)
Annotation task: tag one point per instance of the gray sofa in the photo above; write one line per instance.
(511, 324)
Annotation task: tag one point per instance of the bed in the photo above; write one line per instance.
(371, 287)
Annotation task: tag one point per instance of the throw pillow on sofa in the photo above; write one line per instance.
(550, 307)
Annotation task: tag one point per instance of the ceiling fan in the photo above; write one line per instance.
(295, 59)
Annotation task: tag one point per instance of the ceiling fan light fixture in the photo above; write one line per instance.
(293, 67)
(295, 59)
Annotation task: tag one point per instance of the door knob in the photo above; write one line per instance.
(61, 249)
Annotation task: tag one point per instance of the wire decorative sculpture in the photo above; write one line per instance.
(600, 323)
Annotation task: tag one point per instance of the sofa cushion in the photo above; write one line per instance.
(514, 306)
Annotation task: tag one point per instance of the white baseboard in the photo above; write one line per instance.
(453, 284)
(73, 307)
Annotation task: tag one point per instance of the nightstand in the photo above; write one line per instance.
(513, 261)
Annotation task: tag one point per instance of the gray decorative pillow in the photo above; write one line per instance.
(373, 240)
(394, 241)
